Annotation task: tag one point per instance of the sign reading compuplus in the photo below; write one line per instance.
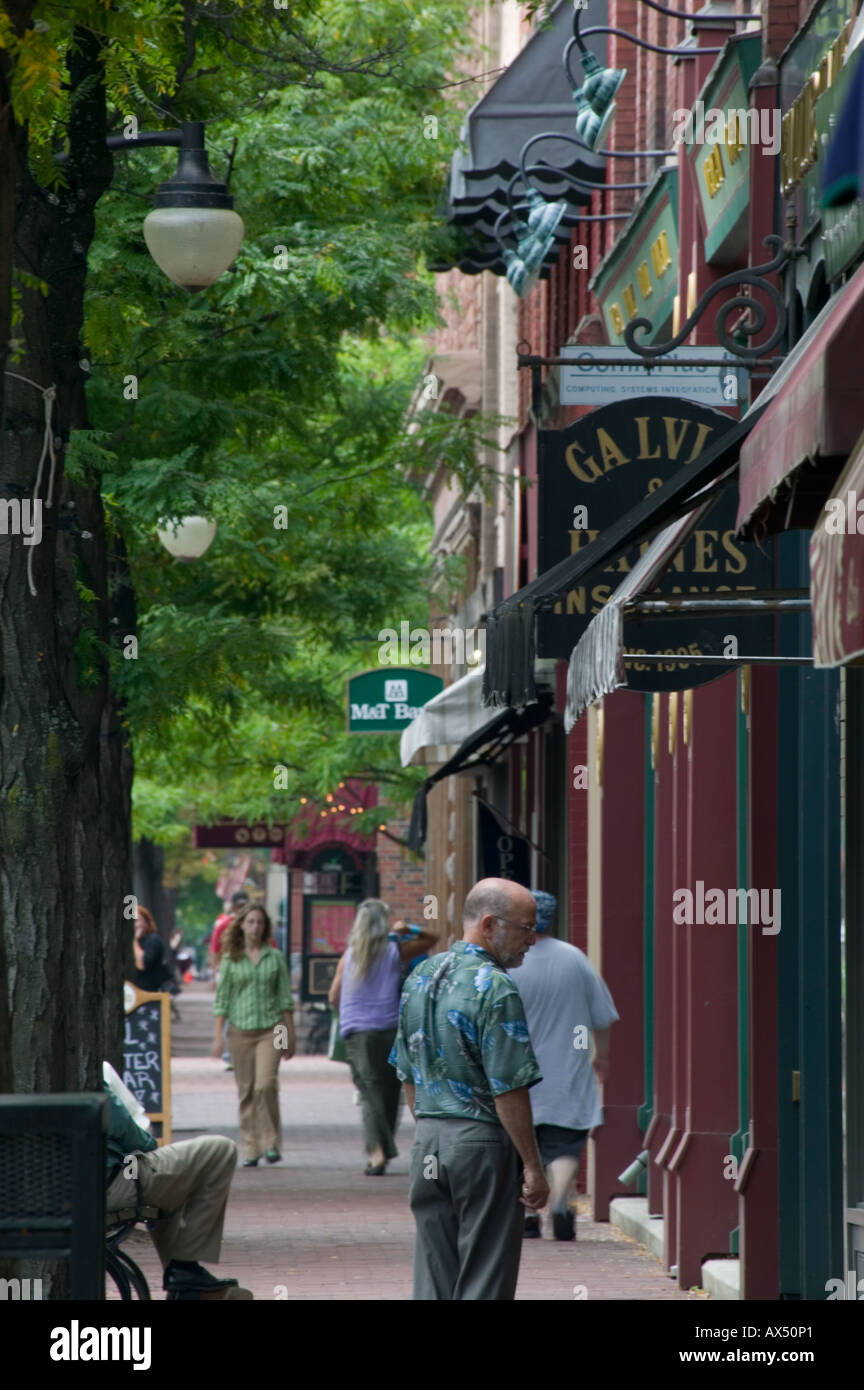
(386, 700)
(595, 471)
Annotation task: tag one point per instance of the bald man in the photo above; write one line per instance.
(462, 1049)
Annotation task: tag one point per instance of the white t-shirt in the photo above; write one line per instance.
(561, 991)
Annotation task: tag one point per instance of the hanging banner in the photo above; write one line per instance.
(593, 473)
(503, 854)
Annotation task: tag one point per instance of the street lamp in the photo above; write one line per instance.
(535, 235)
(187, 538)
(193, 232)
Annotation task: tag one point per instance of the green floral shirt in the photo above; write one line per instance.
(254, 996)
(462, 1037)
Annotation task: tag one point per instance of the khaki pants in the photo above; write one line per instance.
(256, 1071)
(191, 1180)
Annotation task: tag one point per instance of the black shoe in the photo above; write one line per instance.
(250, 1163)
(531, 1230)
(192, 1278)
(272, 1156)
(563, 1225)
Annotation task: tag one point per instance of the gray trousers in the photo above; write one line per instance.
(379, 1086)
(466, 1179)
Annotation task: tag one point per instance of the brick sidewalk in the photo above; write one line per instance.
(314, 1227)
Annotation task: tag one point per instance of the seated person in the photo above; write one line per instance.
(190, 1180)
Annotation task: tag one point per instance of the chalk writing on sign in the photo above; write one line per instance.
(142, 1055)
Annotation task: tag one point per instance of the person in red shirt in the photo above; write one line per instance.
(238, 900)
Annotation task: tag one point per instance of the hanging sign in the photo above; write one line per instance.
(231, 834)
(503, 854)
(386, 700)
(597, 382)
(592, 474)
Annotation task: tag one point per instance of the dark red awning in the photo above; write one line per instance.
(818, 409)
(837, 571)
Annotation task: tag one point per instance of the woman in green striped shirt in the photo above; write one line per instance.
(254, 992)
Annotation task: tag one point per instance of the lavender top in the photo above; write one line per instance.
(373, 1002)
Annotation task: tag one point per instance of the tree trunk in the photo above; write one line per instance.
(65, 763)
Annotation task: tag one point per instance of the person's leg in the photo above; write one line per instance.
(561, 1174)
(560, 1149)
(380, 1092)
(436, 1258)
(391, 1090)
(486, 1177)
(242, 1047)
(190, 1180)
(358, 1049)
(267, 1058)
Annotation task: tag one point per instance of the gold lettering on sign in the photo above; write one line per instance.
(673, 441)
(617, 318)
(702, 433)
(734, 143)
(715, 174)
(799, 141)
(609, 450)
(737, 555)
(705, 561)
(628, 294)
(642, 430)
(578, 469)
(643, 277)
(660, 257)
(576, 539)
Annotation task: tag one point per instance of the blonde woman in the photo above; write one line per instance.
(254, 992)
(365, 990)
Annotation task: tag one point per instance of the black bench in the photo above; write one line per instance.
(52, 1185)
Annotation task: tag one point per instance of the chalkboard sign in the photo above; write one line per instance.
(147, 1055)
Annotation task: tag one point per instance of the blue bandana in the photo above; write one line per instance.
(546, 906)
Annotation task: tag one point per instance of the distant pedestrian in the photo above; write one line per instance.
(239, 900)
(152, 970)
(365, 990)
(254, 993)
(566, 1005)
(463, 1052)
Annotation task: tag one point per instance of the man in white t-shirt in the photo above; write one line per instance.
(566, 1005)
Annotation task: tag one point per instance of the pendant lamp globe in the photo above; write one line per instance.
(188, 537)
(193, 232)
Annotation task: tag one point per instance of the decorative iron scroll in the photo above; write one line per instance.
(750, 275)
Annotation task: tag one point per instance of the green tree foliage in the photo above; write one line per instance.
(277, 402)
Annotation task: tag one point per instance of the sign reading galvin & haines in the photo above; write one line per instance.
(592, 474)
(593, 380)
(386, 700)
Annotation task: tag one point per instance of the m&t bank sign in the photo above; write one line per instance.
(386, 700)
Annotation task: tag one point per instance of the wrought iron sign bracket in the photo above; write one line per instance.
(755, 276)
